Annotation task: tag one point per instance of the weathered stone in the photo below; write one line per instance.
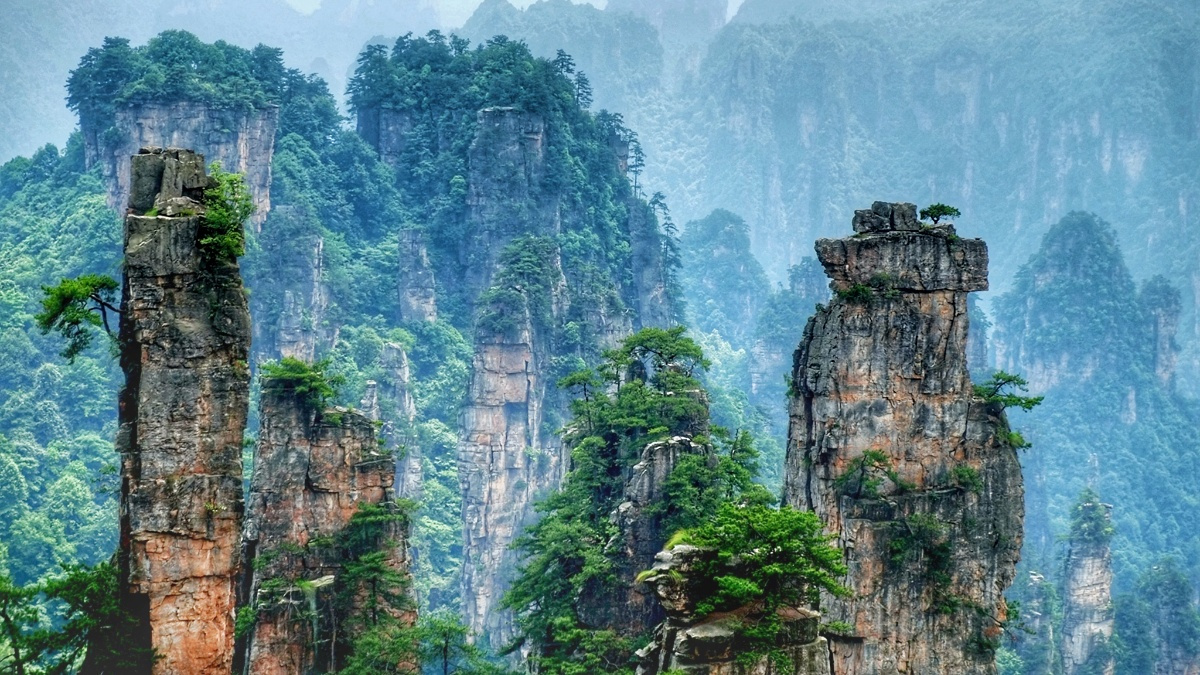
(906, 261)
(885, 217)
(712, 645)
(506, 458)
(312, 472)
(1087, 602)
(888, 373)
(242, 140)
(291, 302)
(418, 289)
(185, 339)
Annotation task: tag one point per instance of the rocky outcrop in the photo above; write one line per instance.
(314, 474)
(185, 341)
(1087, 591)
(650, 280)
(686, 643)
(1162, 301)
(507, 458)
(418, 289)
(242, 140)
(633, 610)
(504, 190)
(386, 131)
(390, 403)
(291, 301)
(889, 445)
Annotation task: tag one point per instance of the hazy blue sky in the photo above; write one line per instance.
(456, 12)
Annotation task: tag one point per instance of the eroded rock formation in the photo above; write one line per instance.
(685, 643)
(185, 341)
(418, 289)
(314, 473)
(1087, 591)
(507, 457)
(907, 467)
(291, 299)
(242, 140)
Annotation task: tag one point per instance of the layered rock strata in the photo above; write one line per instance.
(185, 341)
(910, 470)
(685, 643)
(242, 140)
(1087, 599)
(313, 472)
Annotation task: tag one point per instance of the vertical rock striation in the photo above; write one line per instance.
(506, 458)
(417, 287)
(1087, 591)
(313, 472)
(242, 140)
(889, 445)
(504, 193)
(185, 341)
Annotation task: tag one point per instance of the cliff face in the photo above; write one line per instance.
(506, 459)
(291, 302)
(313, 472)
(504, 198)
(243, 141)
(1087, 598)
(417, 287)
(710, 646)
(185, 340)
(889, 445)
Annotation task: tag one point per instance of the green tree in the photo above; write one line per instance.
(999, 388)
(227, 205)
(766, 559)
(938, 211)
(76, 307)
(310, 381)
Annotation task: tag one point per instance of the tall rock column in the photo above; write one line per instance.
(1087, 590)
(185, 341)
(314, 471)
(907, 467)
(505, 459)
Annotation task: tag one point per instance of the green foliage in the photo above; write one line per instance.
(644, 391)
(71, 620)
(1090, 523)
(56, 418)
(924, 538)
(311, 381)
(865, 474)
(763, 558)
(858, 294)
(246, 617)
(439, 85)
(999, 389)
(75, 307)
(966, 478)
(227, 205)
(173, 66)
(938, 211)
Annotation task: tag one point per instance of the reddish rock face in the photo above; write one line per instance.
(931, 520)
(185, 340)
(313, 472)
